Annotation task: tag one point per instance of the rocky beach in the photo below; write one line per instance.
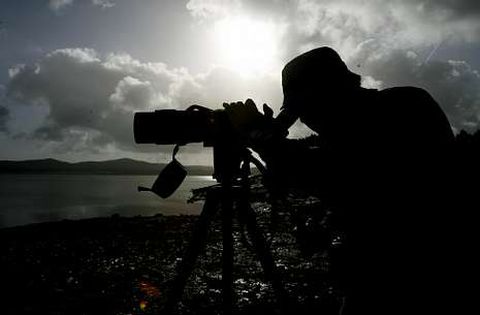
(125, 265)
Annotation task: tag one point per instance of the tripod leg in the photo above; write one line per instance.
(227, 253)
(197, 243)
(265, 256)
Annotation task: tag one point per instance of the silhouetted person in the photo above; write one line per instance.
(383, 160)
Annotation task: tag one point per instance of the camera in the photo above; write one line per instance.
(180, 127)
(169, 126)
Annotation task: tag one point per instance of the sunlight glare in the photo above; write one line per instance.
(246, 45)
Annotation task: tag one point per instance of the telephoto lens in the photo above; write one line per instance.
(169, 126)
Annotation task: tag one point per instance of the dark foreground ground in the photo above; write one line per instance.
(124, 266)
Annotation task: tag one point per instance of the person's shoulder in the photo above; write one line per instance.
(409, 92)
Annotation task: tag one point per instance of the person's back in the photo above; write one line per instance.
(396, 217)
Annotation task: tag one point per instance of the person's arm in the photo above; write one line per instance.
(286, 118)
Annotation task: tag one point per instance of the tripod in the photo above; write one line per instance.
(232, 170)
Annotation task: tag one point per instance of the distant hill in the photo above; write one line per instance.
(111, 167)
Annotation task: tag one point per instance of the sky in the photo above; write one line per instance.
(73, 72)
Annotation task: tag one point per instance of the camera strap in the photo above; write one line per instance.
(175, 151)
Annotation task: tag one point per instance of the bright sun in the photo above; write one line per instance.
(247, 46)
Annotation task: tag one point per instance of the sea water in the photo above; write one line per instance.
(32, 198)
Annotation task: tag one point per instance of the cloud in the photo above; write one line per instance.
(455, 9)
(396, 24)
(208, 8)
(59, 5)
(104, 4)
(3, 118)
(345, 24)
(90, 98)
(134, 94)
(3, 28)
(4, 112)
(454, 84)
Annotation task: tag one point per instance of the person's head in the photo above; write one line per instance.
(315, 76)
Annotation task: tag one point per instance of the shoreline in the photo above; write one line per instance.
(30, 198)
